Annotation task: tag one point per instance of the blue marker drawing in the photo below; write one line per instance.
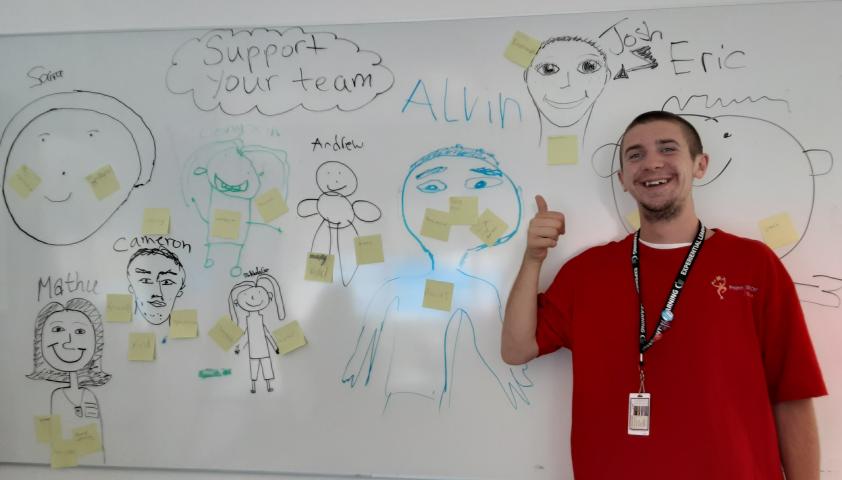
(228, 175)
(409, 350)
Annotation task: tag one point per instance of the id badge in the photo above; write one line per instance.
(639, 413)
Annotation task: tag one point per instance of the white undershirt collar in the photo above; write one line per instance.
(665, 246)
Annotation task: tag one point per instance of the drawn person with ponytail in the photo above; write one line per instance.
(250, 303)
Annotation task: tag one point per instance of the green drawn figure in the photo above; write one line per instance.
(221, 181)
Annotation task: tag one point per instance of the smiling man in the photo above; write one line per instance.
(692, 359)
(156, 279)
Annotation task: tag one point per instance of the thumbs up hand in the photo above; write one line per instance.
(544, 230)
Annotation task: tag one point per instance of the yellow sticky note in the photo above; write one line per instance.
(522, 49)
(778, 231)
(87, 439)
(156, 221)
(464, 210)
(225, 333)
(438, 295)
(319, 267)
(142, 346)
(633, 218)
(63, 454)
(563, 150)
(436, 224)
(119, 307)
(44, 427)
(369, 249)
(271, 205)
(489, 227)
(226, 224)
(55, 430)
(184, 324)
(289, 337)
(103, 182)
(24, 181)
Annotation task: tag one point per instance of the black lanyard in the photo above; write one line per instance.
(666, 315)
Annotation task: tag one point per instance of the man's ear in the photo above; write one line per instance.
(701, 166)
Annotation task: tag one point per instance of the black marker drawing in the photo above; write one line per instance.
(156, 279)
(337, 182)
(274, 72)
(410, 351)
(565, 79)
(822, 290)
(68, 349)
(63, 138)
(252, 304)
(227, 176)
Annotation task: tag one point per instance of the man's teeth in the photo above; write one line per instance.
(652, 183)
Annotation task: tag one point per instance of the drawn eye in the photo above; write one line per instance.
(589, 66)
(147, 281)
(79, 331)
(547, 69)
(167, 282)
(727, 135)
(477, 183)
(432, 186)
(57, 329)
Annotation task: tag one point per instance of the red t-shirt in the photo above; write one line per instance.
(738, 345)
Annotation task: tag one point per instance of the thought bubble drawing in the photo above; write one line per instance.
(274, 71)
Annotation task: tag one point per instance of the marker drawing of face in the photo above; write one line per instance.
(156, 279)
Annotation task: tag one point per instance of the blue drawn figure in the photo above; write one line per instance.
(64, 139)
(337, 182)
(410, 351)
(227, 176)
(253, 303)
(68, 349)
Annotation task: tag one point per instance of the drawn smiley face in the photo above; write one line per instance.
(253, 299)
(565, 79)
(336, 178)
(68, 341)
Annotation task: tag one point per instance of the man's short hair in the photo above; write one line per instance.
(694, 142)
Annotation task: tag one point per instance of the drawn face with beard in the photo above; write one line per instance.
(156, 279)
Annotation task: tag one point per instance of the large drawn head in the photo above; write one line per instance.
(69, 338)
(156, 279)
(57, 151)
(336, 178)
(259, 295)
(565, 78)
(458, 171)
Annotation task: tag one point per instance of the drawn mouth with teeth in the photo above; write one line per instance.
(222, 186)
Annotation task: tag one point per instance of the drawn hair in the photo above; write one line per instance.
(458, 151)
(572, 38)
(266, 282)
(694, 142)
(89, 375)
(145, 252)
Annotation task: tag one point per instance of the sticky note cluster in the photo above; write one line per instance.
(319, 267)
(65, 453)
(24, 181)
(184, 324)
(289, 337)
(488, 227)
(225, 333)
(103, 182)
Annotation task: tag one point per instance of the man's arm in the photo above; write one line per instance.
(798, 438)
(518, 343)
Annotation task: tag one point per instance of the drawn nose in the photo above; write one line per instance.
(567, 75)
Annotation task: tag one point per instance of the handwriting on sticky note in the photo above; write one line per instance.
(369, 249)
(633, 218)
(289, 337)
(226, 224)
(436, 224)
(103, 182)
(522, 49)
(319, 267)
(463, 210)
(184, 324)
(563, 150)
(156, 221)
(87, 439)
(438, 295)
(271, 205)
(24, 181)
(43, 428)
(142, 346)
(119, 307)
(489, 227)
(63, 454)
(225, 333)
(778, 230)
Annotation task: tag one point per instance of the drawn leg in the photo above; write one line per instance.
(268, 372)
(321, 239)
(208, 260)
(348, 261)
(451, 342)
(254, 368)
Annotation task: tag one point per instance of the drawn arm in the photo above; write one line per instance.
(271, 339)
(366, 211)
(272, 227)
(308, 207)
(361, 363)
(198, 210)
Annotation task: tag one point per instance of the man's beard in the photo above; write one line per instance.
(663, 213)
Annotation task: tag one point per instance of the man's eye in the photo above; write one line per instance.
(477, 183)
(547, 69)
(632, 156)
(589, 66)
(147, 281)
(57, 329)
(432, 186)
(79, 331)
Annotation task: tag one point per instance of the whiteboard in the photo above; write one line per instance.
(427, 94)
